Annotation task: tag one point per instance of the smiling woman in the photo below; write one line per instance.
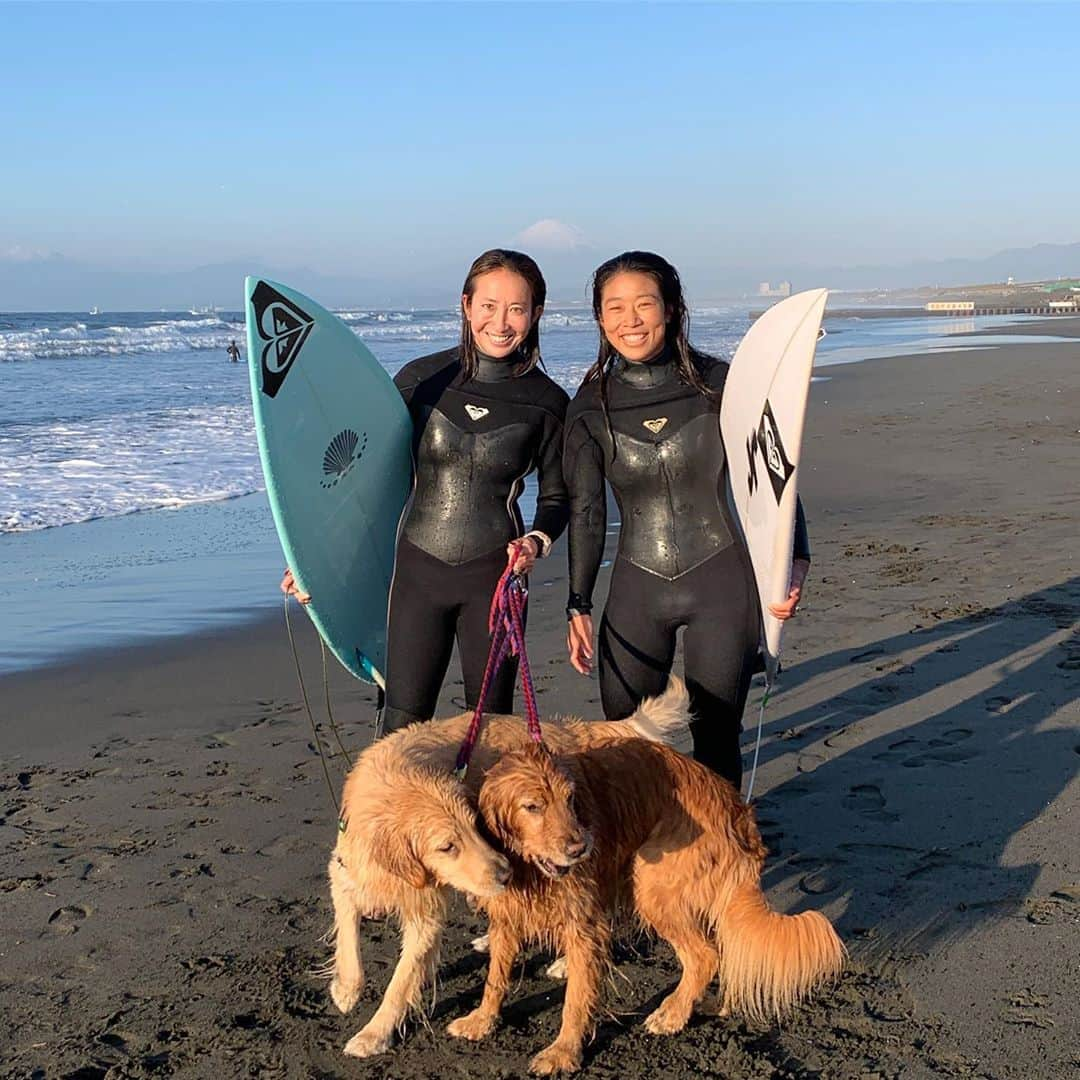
(484, 417)
(646, 420)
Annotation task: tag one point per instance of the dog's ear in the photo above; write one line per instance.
(395, 854)
(494, 802)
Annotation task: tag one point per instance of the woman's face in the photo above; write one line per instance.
(500, 312)
(632, 315)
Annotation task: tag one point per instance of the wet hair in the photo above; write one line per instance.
(524, 267)
(689, 361)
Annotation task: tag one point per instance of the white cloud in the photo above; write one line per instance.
(18, 253)
(549, 234)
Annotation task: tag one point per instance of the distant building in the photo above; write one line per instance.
(951, 305)
(766, 289)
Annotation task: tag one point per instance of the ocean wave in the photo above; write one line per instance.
(63, 473)
(80, 340)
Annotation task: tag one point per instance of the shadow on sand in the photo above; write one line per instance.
(912, 830)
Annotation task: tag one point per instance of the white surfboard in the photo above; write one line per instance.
(761, 421)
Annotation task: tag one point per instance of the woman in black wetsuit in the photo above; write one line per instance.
(484, 417)
(646, 419)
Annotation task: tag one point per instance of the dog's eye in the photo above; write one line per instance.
(531, 808)
(448, 848)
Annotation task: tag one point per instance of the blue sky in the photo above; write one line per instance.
(405, 138)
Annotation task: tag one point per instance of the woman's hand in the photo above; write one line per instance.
(288, 587)
(799, 569)
(528, 549)
(579, 643)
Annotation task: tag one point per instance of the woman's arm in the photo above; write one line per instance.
(800, 567)
(583, 468)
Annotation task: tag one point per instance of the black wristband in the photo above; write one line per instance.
(577, 605)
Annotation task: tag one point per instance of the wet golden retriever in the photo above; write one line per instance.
(407, 839)
(636, 822)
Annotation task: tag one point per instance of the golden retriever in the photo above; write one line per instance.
(636, 818)
(406, 840)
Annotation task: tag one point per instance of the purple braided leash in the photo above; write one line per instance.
(507, 625)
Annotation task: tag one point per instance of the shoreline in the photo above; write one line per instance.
(116, 582)
(165, 821)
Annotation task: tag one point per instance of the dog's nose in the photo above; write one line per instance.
(503, 872)
(576, 849)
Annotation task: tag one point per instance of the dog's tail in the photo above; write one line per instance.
(771, 962)
(664, 719)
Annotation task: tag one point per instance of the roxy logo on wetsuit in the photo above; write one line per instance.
(285, 328)
(767, 439)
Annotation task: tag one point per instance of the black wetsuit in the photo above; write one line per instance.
(680, 562)
(474, 442)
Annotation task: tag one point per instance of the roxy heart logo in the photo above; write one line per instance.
(476, 412)
(766, 439)
(345, 450)
(657, 425)
(284, 327)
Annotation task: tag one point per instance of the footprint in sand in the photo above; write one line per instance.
(808, 761)
(944, 748)
(1062, 905)
(826, 879)
(843, 738)
(66, 920)
(865, 799)
(897, 750)
(998, 704)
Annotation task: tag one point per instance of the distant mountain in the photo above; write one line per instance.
(56, 283)
(1038, 263)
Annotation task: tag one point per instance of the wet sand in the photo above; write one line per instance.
(164, 819)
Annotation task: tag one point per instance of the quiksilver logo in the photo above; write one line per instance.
(284, 327)
(476, 412)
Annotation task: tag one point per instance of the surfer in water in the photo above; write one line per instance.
(484, 417)
(234, 351)
(646, 419)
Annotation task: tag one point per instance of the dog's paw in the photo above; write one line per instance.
(367, 1043)
(344, 996)
(714, 1005)
(667, 1020)
(557, 968)
(481, 944)
(477, 1025)
(556, 1058)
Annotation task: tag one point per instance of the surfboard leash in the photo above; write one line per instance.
(769, 683)
(329, 711)
(506, 622)
(307, 707)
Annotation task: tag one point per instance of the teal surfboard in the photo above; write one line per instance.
(335, 443)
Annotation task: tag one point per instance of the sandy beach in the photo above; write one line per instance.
(165, 821)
